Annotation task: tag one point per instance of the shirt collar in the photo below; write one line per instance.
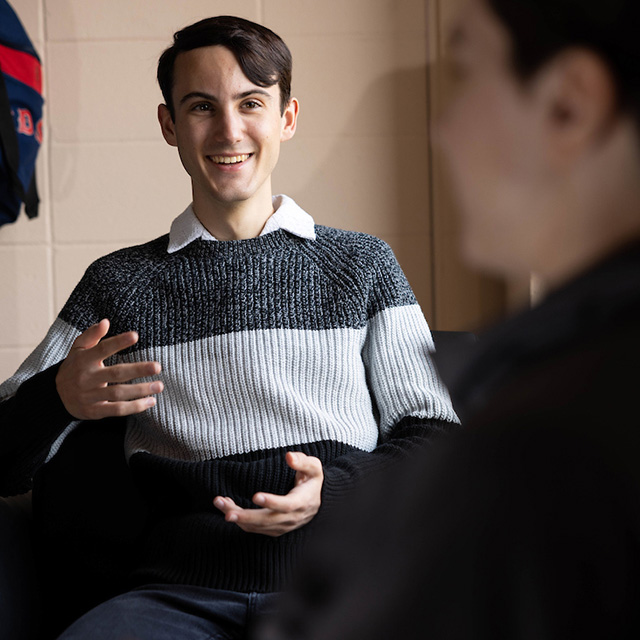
(287, 216)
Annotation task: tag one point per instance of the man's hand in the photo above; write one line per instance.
(90, 390)
(281, 514)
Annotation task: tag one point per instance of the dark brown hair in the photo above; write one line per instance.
(541, 29)
(262, 55)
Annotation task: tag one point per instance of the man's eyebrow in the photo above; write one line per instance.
(198, 94)
(202, 95)
(252, 92)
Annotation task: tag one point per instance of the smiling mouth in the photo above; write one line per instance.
(231, 159)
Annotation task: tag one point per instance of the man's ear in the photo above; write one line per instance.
(580, 95)
(167, 125)
(289, 120)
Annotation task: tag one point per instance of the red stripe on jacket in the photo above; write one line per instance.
(21, 66)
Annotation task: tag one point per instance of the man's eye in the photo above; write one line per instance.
(251, 104)
(202, 106)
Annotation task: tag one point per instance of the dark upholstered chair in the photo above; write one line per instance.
(68, 547)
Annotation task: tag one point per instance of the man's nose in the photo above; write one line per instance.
(229, 127)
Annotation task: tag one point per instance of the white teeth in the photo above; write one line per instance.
(230, 159)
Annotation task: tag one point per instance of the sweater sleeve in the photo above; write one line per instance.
(411, 402)
(32, 416)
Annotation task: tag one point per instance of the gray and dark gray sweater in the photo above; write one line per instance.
(267, 345)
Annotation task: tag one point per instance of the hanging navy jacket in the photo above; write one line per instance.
(20, 117)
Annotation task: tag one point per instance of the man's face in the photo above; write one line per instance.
(493, 135)
(228, 131)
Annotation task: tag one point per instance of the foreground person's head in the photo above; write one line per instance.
(542, 135)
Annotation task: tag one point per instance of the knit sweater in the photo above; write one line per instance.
(267, 345)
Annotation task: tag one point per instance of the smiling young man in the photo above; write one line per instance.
(265, 363)
(228, 132)
(537, 535)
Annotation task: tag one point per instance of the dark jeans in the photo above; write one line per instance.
(173, 612)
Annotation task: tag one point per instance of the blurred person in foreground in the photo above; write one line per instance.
(527, 523)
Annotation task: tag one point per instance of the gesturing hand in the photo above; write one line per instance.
(281, 514)
(90, 390)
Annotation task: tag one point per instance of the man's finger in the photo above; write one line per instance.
(234, 513)
(225, 504)
(283, 504)
(120, 409)
(110, 346)
(92, 336)
(231, 509)
(255, 518)
(125, 392)
(265, 521)
(301, 462)
(228, 507)
(119, 373)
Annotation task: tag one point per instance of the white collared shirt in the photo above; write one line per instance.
(287, 215)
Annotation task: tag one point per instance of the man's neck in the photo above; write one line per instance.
(234, 221)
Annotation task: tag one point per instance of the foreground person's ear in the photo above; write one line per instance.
(580, 101)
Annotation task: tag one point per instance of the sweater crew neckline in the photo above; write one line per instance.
(273, 241)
